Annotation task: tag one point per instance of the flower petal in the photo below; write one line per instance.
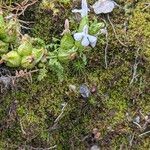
(85, 8)
(93, 44)
(78, 36)
(104, 6)
(92, 39)
(85, 42)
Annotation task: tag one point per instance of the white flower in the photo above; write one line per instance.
(84, 9)
(104, 6)
(85, 38)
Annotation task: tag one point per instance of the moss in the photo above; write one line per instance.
(48, 25)
(30, 121)
(139, 31)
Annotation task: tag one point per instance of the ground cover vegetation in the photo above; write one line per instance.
(74, 74)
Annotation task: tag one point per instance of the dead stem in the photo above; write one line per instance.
(134, 76)
(144, 133)
(115, 31)
(20, 8)
(58, 118)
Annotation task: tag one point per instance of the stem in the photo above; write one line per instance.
(106, 48)
(144, 133)
(115, 31)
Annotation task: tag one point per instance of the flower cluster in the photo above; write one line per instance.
(101, 6)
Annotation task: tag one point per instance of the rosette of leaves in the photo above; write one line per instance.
(3, 47)
(12, 59)
(25, 48)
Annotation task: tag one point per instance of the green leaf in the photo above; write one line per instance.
(57, 68)
(42, 74)
(84, 21)
(95, 27)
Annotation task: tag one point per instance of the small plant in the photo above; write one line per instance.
(26, 52)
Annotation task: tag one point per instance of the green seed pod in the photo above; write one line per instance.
(65, 56)
(12, 59)
(38, 54)
(3, 47)
(28, 62)
(25, 49)
(2, 26)
(67, 41)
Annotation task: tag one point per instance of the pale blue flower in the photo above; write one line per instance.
(104, 6)
(84, 91)
(85, 38)
(84, 9)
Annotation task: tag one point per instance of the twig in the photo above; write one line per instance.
(137, 124)
(34, 148)
(106, 49)
(144, 133)
(115, 31)
(22, 128)
(57, 119)
(25, 22)
(20, 8)
(26, 6)
(24, 27)
(132, 138)
(148, 5)
(134, 76)
(21, 74)
(107, 41)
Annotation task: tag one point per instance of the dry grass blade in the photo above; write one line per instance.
(19, 9)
